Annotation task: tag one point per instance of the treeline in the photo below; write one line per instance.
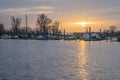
(44, 26)
(111, 32)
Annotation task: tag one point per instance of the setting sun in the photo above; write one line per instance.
(82, 23)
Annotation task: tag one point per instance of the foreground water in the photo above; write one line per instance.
(59, 60)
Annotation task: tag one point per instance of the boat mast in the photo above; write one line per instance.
(61, 28)
(26, 22)
(86, 26)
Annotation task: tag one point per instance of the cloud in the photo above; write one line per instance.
(108, 10)
(47, 0)
(40, 12)
(30, 10)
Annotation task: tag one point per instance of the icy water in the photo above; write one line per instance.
(59, 60)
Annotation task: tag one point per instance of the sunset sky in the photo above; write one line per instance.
(99, 13)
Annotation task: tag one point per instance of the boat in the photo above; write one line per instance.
(24, 36)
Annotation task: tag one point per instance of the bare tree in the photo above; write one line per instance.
(43, 22)
(1, 29)
(15, 22)
(23, 30)
(112, 30)
(55, 27)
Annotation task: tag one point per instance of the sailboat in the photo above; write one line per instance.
(25, 36)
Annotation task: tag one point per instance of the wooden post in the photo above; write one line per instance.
(89, 33)
(64, 34)
(100, 35)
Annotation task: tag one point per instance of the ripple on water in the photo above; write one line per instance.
(59, 60)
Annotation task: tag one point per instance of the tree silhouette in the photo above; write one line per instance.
(113, 28)
(55, 27)
(1, 29)
(112, 31)
(23, 30)
(43, 22)
(15, 22)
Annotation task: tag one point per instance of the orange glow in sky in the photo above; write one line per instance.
(99, 14)
(79, 26)
(82, 23)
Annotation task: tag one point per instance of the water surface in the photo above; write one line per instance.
(59, 60)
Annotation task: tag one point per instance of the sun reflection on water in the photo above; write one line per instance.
(82, 61)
